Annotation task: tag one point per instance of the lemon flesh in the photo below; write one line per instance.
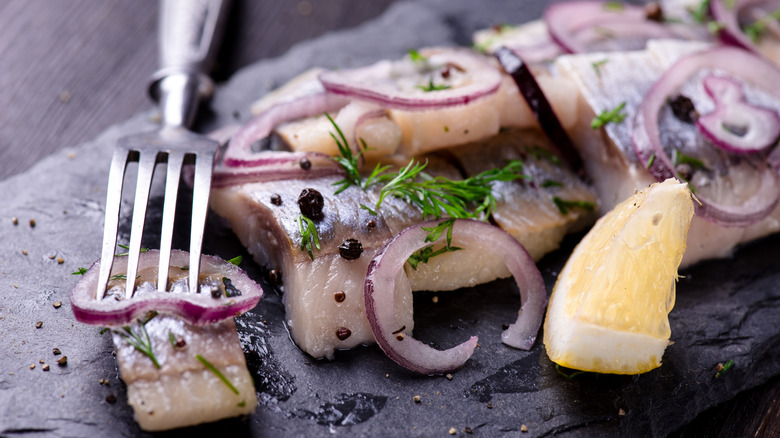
(609, 309)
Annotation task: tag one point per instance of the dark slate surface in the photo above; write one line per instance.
(725, 310)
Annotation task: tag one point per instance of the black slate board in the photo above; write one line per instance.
(725, 309)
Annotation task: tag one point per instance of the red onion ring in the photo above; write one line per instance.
(389, 261)
(277, 166)
(196, 308)
(239, 151)
(728, 17)
(761, 125)
(575, 25)
(646, 132)
(394, 84)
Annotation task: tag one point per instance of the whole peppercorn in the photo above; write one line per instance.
(343, 333)
(305, 163)
(311, 203)
(351, 249)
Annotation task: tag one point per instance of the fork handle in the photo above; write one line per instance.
(190, 32)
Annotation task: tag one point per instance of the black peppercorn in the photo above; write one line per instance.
(276, 199)
(371, 223)
(351, 249)
(311, 202)
(683, 109)
(275, 276)
(305, 163)
(343, 333)
(340, 296)
(653, 12)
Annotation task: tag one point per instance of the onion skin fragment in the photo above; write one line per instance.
(474, 235)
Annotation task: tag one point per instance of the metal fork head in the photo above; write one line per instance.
(175, 146)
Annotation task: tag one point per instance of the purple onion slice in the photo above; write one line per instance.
(473, 235)
(734, 189)
(735, 125)
(440, 78)
(733, 14)
(589, 26)
(236, 295)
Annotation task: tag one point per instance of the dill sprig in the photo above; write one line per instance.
(140, 341)
(123, 254)
(564, 205)
(613, 116)
(569, 376)
(470, 198)
(236, 260)
(432, 87)
(597, 66)
(79, 271)
(415, 56)
(427, 253)
(350, 162)
(724, 368)
(309, 237)
(217, 373)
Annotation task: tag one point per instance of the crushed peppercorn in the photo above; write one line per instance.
(32, 223)
(417, 399)
(45, 367)
(523, 428)
(57, 304)
(453, 431)
(684, 110)
(56, 351)
(63, 361)
(60, 260)
(15, 220)
(39, 324)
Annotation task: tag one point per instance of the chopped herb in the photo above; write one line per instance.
(680, 158)
(172, 339)
(309, 235)
(122, 254)
(569, 376)
(141, 341)
(702, 12)
(103, 330)
(369, 209)
(427, 253)
(614, 116)
(217, 373)
(351, 163)
(597, 66)
(614, 6)
(236, 260)
(416, 56)
(650, 161)
(80, 271)
(119, 277)
(550, 183)
(723, 369)
(438, 196)
(432, 87)
(564, 205)
(758, 28)
(241, 404)
(538, 153)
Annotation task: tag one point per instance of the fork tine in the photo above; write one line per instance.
(116, 178)
(200, 200)
(146, 163)
(173, 175)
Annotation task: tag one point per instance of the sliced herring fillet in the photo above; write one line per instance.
(608, 153)
(183, 392)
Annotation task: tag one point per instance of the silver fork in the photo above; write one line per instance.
(189, 33)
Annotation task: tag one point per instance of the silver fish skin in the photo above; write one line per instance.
(183, 391)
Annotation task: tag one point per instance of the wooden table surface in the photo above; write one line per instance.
(69, 70)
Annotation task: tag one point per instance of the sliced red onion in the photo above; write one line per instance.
(581, 26)
(196, 308)
(473, 235)
(400, 84)
(277, 166)
(735, 125)
(239, 151)
(515, 66)
(729, 13)
(647, 142)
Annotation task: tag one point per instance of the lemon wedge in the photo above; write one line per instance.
(609, 309)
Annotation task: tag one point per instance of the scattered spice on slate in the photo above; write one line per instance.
(41, 361)
(57, 304)
(400, 336)
(32, 223)
(45, 367)
(305, 163)
(340, 296)
(621, 412)
(468, 430)
(523, 428)
(387, 375)
(60, 260)
(52, 255)
(62, 361)
(453, 431)
(276, 199)
(343, 333)
(56, 351)
(15, 220)
(489, 405)
(417, 399)
(350, 249)
(448, 376)
(111, 398)
(32, 366)
(24, 252)
(39, 324)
